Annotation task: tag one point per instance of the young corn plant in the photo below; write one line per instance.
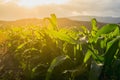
(53, 53)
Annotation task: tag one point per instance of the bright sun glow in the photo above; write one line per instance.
(34, 3)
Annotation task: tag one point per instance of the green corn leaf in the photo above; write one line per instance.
(106, 29)
(54, 19)
(57, 61)
(112, 47)
(85, 30)
(95, 56)
(21, 46)
(87, 56)
(62, 36)
(116, 31)
(94, 24)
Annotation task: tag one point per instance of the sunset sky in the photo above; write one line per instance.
(18, 9)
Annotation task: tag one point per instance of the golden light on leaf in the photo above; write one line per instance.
(3, 37)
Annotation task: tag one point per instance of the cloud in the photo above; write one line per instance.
(11, 11)
(97, 7)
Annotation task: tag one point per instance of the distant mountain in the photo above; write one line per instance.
(62, 22)
(99, 19)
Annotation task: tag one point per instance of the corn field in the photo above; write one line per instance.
(52, 53)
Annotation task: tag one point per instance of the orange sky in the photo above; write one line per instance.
(18, 9)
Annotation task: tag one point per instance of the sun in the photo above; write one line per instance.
(34, 3)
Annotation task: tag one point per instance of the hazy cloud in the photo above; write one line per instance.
(9, 10)
(97, 7)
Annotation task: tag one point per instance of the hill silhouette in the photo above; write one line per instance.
(62, 22)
